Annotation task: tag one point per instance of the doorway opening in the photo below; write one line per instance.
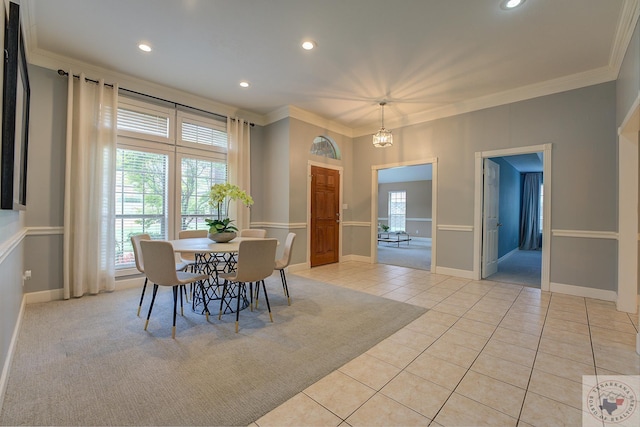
(512, 216)
(403, 214)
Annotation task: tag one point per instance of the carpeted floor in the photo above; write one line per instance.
(88, 361)
(521, 267)
(415, 254)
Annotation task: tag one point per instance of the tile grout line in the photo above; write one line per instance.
(480, 352)
(535, 357)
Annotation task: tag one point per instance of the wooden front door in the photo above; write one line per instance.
(325, 215)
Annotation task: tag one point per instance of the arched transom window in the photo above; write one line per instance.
(325, 147)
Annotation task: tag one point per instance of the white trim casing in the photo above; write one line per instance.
(340, 169)
(546, 218)
(628, 140)
(434, 205)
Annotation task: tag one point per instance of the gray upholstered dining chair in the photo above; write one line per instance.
(255, 263)
(159, 256)
(137, 255)
(187, 258)
(253, 232)
(190, 259)
(283, 262)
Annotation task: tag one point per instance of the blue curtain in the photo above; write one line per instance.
(530, 235)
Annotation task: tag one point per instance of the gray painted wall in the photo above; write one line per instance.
(508, 208)
(45, 183)
(581, 126)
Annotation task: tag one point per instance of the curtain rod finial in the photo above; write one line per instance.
(62, 72)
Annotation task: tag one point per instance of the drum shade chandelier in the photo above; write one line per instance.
(383, 137)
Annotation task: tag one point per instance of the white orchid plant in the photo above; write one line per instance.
(219, 197)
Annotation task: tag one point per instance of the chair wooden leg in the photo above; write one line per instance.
(251, 295)
(266, 298)
(284, 286)
(175, 309)
(142, 296)
(153, 298)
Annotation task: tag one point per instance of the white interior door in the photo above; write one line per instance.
(490, 222)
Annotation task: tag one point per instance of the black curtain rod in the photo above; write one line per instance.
(62, 72)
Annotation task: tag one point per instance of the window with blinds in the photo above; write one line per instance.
(201, 133)
(198, 175)
(159, 149)
(149, 124)
(141, 199)
(397, 210)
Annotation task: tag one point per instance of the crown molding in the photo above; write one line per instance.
(549, 87)
(294, 112)
(624, 32)
(46, 59)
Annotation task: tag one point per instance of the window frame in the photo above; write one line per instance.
(176, 149)
(144, 107)
(389, 214)
(189, 153)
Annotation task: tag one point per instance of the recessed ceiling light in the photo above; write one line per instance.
(144, 47)
(308, 44)
(511, 4)
(244, 84)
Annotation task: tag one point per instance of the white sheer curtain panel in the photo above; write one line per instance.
(239, 167)
(89, 202)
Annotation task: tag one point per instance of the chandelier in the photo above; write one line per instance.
(383, 137)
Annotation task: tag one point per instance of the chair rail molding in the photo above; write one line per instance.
(44, 231)
(452, 227)
(587, 234)
(356, 223)
(11, 243)
(281, 225)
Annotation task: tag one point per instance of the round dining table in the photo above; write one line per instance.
(212, 258)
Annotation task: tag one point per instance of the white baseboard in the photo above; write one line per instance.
(465, 274)
(359, 258)
(581, 291)
(44, 296)
(4, 378)
(508, 254)
(135, 282)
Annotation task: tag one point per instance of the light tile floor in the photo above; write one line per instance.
(486, 353)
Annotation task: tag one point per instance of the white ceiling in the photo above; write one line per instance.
(426, 58)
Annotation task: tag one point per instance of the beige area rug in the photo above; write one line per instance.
(88, 361)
